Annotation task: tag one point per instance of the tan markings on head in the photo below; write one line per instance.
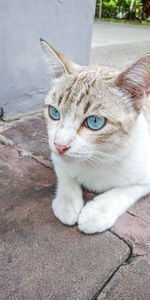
(103, 137)
(87, 107)
(93, 82)
(118, 125)
(87, 91)
(68, 94)
(98, 106)
(83, 95)
(123, 129)
(60, 99)
(69, 90)
(79, 130)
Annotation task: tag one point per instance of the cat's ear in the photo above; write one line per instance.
(58, 65)
(135, 80)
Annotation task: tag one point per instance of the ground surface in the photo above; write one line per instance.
(40, 257)
(107, 33)
(118, 45)
(44, 259)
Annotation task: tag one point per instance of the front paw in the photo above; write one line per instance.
(95, 218)
(67, 211)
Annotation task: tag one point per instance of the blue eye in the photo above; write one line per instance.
(95, 123)
(54, 113)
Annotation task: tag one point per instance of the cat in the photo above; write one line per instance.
(98, 133)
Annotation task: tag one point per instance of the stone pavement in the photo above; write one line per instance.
(44, 259)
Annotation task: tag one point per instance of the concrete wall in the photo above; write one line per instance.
(65, 24)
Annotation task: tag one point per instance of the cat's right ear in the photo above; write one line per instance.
(135, 80)
(57, 64)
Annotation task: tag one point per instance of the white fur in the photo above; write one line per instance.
(125, 182)
(113, 161)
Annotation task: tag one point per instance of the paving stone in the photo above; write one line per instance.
(131, 282)
(42, 258)
(30, 134)
(27, 167)
(134, 226)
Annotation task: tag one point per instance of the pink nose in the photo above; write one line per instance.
(61, 148)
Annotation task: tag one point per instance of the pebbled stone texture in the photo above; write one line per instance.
(42, 258)
(31, 135)
(132, 281)
(134, 227)
(27, 167)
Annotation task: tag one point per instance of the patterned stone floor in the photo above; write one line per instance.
(44, 259)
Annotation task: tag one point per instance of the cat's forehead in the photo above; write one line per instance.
(77, 81)
(77, 88)
(84, 93)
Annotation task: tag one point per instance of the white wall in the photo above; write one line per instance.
(65, 24)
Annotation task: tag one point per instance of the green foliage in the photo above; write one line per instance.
(109, 7)
(144, 23)
(121, 9)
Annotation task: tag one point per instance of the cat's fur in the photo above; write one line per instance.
(113, 161)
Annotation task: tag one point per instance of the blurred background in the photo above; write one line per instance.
(129, 11)
(105, 32)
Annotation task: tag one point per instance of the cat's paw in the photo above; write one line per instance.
(67, 211)
(95, 217)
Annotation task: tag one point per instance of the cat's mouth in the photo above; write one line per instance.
(66, 157)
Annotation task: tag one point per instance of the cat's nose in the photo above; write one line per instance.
(61, 148)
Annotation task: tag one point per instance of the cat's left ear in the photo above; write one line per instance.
(135, 80)
(58, 64)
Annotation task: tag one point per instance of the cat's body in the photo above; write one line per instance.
(113, 160)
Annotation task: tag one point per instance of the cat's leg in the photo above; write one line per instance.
(102, 212)
(68, 202)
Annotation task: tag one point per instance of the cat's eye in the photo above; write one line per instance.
(53, 113)
(94, 122)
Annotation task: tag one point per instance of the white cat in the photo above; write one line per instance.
(99, 137)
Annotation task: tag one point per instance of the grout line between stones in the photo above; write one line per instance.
(6, 141)
(110, 277)
(39, 162)
(127, 261)
(122, 239)
(10, 121)
(131, 256)
(21, 116)
(22, 152)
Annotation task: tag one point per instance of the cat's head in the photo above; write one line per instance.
(90, 111)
